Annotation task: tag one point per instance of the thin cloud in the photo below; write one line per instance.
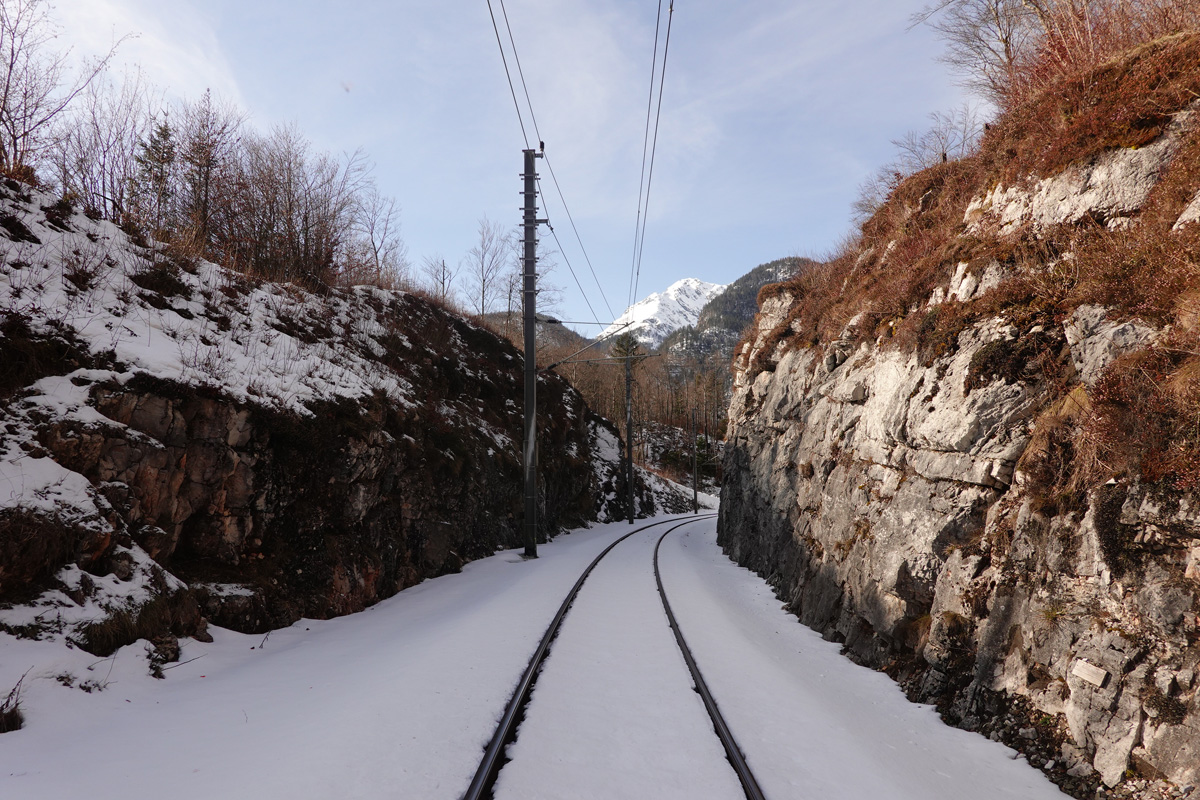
(175, 45)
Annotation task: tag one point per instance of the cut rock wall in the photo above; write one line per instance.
(888, 497)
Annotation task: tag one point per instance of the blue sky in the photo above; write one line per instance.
(774, 112)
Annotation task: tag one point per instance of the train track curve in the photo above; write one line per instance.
(494, 757)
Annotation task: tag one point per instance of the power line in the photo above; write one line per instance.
(508, 74)
(533, 117)
(520, 72)
(645, 142)
(571, 219)
(654, 146)
(576, 277)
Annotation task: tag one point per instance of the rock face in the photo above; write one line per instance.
(896, 496)
(182, 445)
(883, 499)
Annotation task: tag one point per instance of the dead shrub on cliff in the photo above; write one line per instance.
(1008, 50)
(1144, 420)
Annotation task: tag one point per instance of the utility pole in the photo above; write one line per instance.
(695, 467)
(629, 431)
(530, 224)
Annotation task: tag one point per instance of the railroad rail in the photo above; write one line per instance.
(493, 760)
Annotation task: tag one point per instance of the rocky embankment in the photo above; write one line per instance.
(181, 444)
(983, 478)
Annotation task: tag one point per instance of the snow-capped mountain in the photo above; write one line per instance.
(655, 317)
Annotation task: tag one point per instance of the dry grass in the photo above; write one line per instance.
(1145, 418)
(1126, 102)
(11, 718)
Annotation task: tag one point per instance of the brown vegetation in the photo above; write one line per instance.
(1142, 416)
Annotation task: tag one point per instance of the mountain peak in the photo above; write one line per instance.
(656, 316)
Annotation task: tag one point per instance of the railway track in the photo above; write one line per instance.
(494, 757)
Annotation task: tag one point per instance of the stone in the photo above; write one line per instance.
(922, 533)
(1096, 341)
(1190, 214)
(1111, 186)
(1089, 672)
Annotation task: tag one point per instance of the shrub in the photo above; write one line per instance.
(11, 718)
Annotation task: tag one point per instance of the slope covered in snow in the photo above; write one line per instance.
(400, 700)
(657, 316)
(182, 444)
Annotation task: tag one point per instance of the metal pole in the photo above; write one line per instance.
(695, 466)
(530, 322)
(629, 432)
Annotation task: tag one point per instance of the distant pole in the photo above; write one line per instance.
(695, 466)
(629, 431)
(530, 224)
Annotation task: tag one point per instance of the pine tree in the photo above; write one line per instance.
(155, 189)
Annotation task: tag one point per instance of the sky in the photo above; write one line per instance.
(773, 113)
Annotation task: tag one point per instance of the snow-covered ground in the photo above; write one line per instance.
(399, 700)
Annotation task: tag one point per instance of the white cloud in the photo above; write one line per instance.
(173, 42)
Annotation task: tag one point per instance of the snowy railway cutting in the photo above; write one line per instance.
(399, 700)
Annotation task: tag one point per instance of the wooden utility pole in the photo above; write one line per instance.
(530, 224)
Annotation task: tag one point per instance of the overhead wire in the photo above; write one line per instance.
(508, 74)
(558, 188)
(645, 146)
(654, 145)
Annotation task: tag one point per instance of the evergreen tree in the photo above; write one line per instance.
(155, 187)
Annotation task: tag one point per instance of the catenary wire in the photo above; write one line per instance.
(654, 145)
(533, 118)
(637, 227)
(508, 74)
(576, 277)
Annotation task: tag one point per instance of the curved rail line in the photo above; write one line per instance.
(506, 730)
(732, 751)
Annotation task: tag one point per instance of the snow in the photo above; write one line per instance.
(400, 700)
(396, 701)
(811, 723)
(221, 329)
(662, 313)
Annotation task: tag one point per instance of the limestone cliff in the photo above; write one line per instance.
(967, 447)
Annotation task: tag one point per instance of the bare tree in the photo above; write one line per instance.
(34, 89)
(377, 253)
(549, 294)
(484, 265)
(1006, 49)
(95, 148)
(440, 276)
(873, 192)
(290, 210)
(988, 42)
(953, 135)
